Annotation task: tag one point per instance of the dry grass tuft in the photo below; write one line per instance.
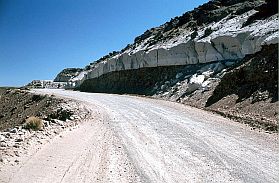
(33, 123)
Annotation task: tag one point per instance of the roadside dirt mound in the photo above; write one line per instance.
(17, 105)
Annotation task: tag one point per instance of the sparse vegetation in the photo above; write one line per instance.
(126, 48)
(16, 105)
(194, 35)
(87, 68)
(207, 31)
(33, 123)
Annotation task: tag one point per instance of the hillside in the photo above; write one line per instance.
(19, 108)
(18, 104)
(202, 50)
(215, 31)
(192, 100)
(67, 74)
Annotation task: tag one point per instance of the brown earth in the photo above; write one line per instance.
(58, 115)
(17, 105)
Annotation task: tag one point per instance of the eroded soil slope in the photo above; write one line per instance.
(16, 105)
(56, 115)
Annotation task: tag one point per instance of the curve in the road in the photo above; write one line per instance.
(145, 140)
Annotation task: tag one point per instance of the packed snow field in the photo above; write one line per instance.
(133, 139)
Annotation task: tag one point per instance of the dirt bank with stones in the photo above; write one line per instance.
(56, 115)
(247, 91)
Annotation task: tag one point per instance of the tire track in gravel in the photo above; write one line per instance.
(134, 139)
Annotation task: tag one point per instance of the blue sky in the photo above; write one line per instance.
(39, 38)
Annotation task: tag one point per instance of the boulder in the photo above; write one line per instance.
(167, 83)
(2, 138)
(205, 85)
(163, 87)
(229, 63)
(195, 82)
(14, 130)
(179, 75)
(46, 123)
(218, 67)
(208, 74)
(59, 122)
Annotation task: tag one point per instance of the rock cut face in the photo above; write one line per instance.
(215, 31)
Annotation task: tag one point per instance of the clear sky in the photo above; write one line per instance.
(39, 38)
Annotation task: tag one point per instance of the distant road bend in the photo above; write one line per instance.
(134, 139)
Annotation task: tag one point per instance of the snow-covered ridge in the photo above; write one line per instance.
(227, 40)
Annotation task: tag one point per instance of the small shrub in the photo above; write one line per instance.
(194, 35)
(87, 67)
(37, 98)
(207, 31)
(33, 123)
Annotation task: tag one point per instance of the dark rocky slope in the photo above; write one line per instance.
(247, 92)
(258, 74)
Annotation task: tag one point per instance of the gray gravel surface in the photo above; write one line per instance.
(135, 139)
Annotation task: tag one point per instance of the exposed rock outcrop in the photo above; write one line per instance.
(258, 73)
(67, 74)
(215, 31)
(45, 84)
(246, 91)
(140, 81)
(220, 46)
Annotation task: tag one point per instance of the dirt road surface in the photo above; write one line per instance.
(134, 139)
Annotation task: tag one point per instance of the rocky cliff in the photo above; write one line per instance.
(189, 58)
(215, 31)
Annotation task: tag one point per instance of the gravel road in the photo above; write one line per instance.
(134, 139)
